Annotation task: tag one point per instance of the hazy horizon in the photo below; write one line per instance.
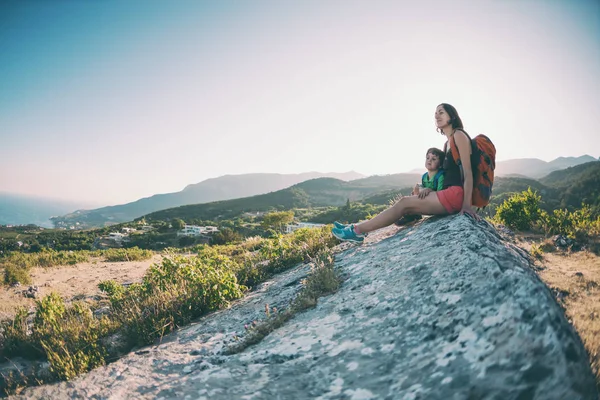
(108, 102)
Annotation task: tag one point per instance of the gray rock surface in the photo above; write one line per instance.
(445, 309)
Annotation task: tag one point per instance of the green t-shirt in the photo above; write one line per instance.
(429, 183)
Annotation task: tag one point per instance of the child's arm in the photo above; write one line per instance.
(440, 185)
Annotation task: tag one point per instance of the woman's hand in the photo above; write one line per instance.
(467, 209)
(423, 193)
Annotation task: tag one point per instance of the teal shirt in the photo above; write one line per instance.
(429, 183)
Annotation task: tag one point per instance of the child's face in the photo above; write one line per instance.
(432, 162)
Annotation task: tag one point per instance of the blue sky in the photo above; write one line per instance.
(108, 102)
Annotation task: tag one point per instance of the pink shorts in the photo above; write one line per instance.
(451, 198)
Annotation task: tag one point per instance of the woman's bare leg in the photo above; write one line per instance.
(430, 205)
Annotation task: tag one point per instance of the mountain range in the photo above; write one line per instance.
(560, 189)
(536, 168)
(222, 188)
(15, 209)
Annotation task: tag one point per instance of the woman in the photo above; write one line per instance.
(455, 196)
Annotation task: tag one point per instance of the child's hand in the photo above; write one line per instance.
(423, 193)
(415, 190)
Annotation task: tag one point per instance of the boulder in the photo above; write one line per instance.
(445, 309)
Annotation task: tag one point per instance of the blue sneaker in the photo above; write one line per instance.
(339, 225)
(347, 234)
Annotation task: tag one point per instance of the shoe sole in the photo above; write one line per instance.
(346, 239)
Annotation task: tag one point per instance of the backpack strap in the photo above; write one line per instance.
(423, 179)
(455, 153)
(454, 148)
(436, 178)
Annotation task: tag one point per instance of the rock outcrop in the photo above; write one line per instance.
(443, 310)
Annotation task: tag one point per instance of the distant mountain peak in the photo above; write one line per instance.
(536, 168)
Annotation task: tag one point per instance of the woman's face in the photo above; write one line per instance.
(432, 162)
(442, 119)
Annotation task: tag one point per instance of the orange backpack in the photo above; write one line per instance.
(483, 163)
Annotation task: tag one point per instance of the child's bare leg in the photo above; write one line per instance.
(430, 205)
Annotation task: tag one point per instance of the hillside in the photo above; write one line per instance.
(536, 168)
(215, 189)
(312, 193)
(577, 184)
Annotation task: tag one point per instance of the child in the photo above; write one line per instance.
(432, 180)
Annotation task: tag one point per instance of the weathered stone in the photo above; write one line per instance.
(99, 312)
(442, 310)
(32, 292)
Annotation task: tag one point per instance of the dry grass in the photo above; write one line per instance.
(322, 280)
(575, 280)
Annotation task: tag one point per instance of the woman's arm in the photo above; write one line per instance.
(440, 183)
(464, 150)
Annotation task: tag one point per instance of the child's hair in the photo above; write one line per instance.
(439, 153)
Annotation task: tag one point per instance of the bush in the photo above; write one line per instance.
(14, 273)
(70, 336)
(47, 258)
(130, 254)
(579, 225)
(111, 288)
(173, 293)
(16, 340)
(520, 211)
(536, 251)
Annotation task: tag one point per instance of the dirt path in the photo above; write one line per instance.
(70, 281)
(575, 280)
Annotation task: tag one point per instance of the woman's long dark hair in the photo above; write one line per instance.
(454, 117)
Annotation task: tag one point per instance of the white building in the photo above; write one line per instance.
(293, 227)
(193, 230)
(210, 229)
(116, 236)
(190, 230)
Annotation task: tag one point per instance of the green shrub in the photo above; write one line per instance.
(173, 293)
(536, 251)
(15, 339)
(130, 254)
(520, 211)
(111, 288)
(14, 273)
(579, 224)
(70, 336)
(47, 258)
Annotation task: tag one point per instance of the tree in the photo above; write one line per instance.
(225, 236)
(277, 220)
(177, 223)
